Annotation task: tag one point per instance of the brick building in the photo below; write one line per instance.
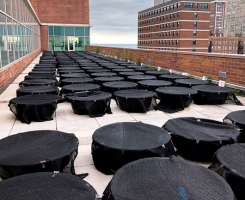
(175, 25)
(227, 45)
(28, 27)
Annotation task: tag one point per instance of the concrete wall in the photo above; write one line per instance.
(201, 64)
(9, 74)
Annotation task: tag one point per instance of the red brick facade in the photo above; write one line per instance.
(201, 64)
(175, 26)
(44, 38)
(62, 11)
(15, 70)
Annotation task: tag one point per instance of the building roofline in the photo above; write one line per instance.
(172, 2)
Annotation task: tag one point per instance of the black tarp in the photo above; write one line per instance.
(166, 179)
(38, 151)
(94, 103)
(212, 94)
(37, 90)
(190, 82)
(136, 101)
(38, 82)
(198, 139)
(36, 107)
(174, 99)
(117, 144)
(118, 85)
(153, 84)
(70, 81)
(44, 186)
(229, 162)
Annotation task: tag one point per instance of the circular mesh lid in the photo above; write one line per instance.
(104, 74)
(174, 76)
(122, 70)
(98, 70)
(38, 82)
(115, 67)
(131, 73)
(237, 116)
(91, 67)
(69, 68)
(81, 87)
(69, 71)
(131, 136)
(157, 72)
(168, 179)
(77, 80)
(191, 82)
(76, 75)
(38, 89)
(141, 77)
(120, 84)
(30, 148)
(43, 69)
(35, 99)
(212, 89)
(109, 79)
(176, 90)
(88, 96)
(40, 76)
(202, 129)
(42, 72)
(44, 186)
(134, 93)
(145, 69)
(232, 157)
(155, 83)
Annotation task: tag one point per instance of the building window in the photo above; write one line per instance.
(195, 15)
(193, 50)
(194, 42)
(195, 24)
(188, 5)
(204, 6)
(194, 34)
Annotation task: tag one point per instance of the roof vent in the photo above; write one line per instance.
(222, 74)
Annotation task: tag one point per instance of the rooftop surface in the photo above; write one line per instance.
(83, 126)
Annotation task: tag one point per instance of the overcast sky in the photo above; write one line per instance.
(115, 21)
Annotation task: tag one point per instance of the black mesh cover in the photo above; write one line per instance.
(229, 162)
(153, 84)
(136, 101)
(141, 78)
(190, 82)
(122, 70)
(37, 76)
(38, 151)
(198, 139)
(70, 81)
(126, 74)
(173, 77)
(79, 88)
(237, 118)
(156, 73)
(101, 80)
(93, 103)
(35, 107)
(76, 75)
(37, 90)
(70, 71)
(118, 85)
(145, 69)
(114, 67)
(104, 74)
(117, 144)
(43, 69)
(166, 179)
(42, 72)
(38, 82)
(212, 94)
(174, 99)
(44, 186)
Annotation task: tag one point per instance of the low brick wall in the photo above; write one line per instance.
(15, 69)
(201, 64)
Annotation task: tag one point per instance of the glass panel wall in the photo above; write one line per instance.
(19, 33)
(58, 37)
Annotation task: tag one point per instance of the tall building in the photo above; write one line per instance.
(235, 18)
(217, 18)
(175, 25)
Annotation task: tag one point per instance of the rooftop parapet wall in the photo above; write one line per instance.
(200, 64)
